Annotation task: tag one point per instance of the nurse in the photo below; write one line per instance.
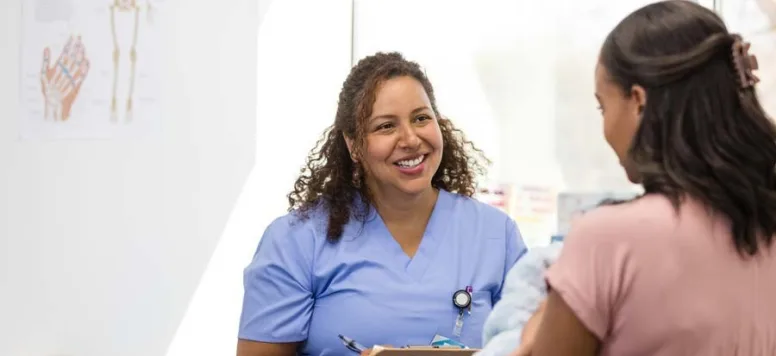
(382, 231)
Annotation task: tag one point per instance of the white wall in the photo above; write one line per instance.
(102, 243)
(505, 73)
(439, 37)
(500, 71)
(304, 56)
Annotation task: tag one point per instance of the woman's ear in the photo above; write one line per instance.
(349, 143)
(639, 96)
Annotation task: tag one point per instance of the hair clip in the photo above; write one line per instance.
(744, 63)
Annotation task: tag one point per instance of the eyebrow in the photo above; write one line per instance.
(391, 116)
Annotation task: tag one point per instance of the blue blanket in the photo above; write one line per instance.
(524, 290)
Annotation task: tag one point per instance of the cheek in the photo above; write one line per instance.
(609, 129)
(433, 135)
(378, 149)
(619, 129)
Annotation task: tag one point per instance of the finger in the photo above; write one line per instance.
(63, 63)
(65, 78)
(56, 70)
(66, 67)
(76, 55)
(72, 92)
(78, 70)
(81, 54)
(69, 97)
(78, 79)
(72, 58)
(65, 49)
(46, 60)
(59, 67)
(84, 69)
(45, 69)
(69, 67)
(65, 58)
(57, 76)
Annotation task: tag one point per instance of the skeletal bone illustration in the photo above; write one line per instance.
(128, 7)
(61, 82)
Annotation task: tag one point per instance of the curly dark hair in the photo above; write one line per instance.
(328, 177)
(702, 133)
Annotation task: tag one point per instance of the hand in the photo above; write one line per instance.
(61, 81)
(529, 332)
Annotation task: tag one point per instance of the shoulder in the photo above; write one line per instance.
(309, 227)
(294, 224)
(295, 229)
(625, 222)
(476, 219)
(475, 209)
(286, 248)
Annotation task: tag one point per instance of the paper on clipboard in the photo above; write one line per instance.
(421, 351)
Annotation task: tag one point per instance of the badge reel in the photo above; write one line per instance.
(462, 300)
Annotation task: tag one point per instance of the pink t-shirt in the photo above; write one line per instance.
(647, 281)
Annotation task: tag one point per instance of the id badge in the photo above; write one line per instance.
(458, 328)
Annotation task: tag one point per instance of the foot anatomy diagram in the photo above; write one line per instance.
(124, 8)
(62, 80)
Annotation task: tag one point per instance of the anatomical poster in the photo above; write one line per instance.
(90, 68)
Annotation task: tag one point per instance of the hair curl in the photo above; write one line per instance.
(327, 179)
(701, 133)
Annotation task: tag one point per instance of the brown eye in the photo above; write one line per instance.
(385, 126)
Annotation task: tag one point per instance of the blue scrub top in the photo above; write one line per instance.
(299, 287)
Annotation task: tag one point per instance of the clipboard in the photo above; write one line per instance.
(423, 351)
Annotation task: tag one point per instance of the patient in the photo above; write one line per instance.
(687, 268)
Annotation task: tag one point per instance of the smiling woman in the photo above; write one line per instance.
(403, 143)
(381, 227)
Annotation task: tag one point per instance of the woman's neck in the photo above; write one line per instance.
(403, 209)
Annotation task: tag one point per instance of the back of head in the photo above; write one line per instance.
(703, 131)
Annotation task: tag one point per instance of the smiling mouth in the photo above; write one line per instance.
(410, 163)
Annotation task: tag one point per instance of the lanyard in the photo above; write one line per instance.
(462, 299)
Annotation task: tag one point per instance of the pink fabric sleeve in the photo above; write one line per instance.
(591, 268)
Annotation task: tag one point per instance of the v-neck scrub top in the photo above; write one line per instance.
(299, 287)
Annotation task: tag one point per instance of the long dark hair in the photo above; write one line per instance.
(702, 132)
(332, 180)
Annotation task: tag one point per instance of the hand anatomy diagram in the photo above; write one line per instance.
(124, 8)
(62, 80)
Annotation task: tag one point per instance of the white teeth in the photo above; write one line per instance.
(409, 163)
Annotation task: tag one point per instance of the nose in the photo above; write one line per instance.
(409, 138)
